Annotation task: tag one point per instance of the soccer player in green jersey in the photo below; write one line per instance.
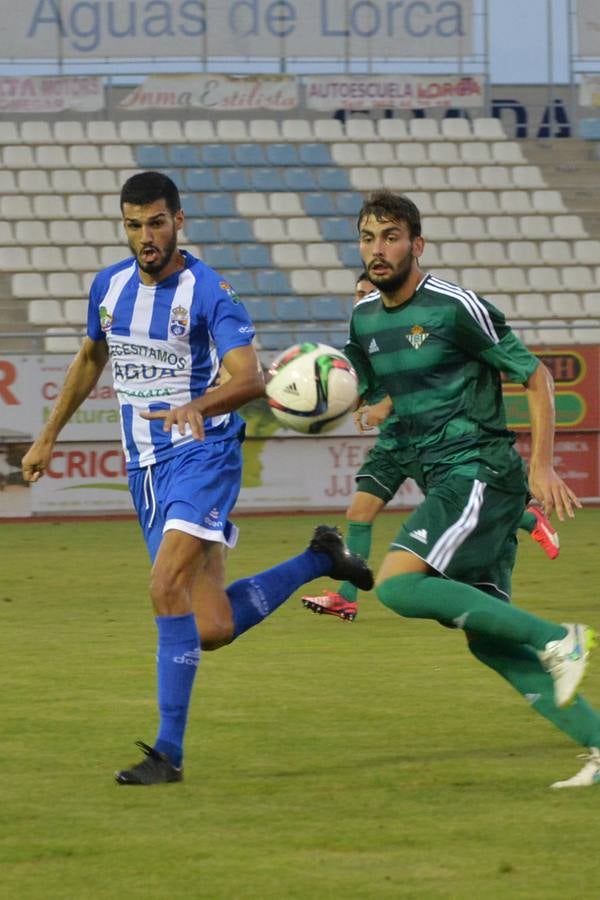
(377, 481)
(438, 350)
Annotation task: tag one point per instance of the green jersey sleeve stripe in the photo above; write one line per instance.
(470, 301)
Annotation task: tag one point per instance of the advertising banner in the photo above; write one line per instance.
(38, 94)
(327, 92)
(588, 28)
(334, 29)
(225, 93)
(589, 90)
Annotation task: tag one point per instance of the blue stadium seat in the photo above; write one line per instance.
(199, 180)
(254, 256)
(242, 282)
(216, 155)
(332, 178)
(297, 179)
(292, 309)
(151, 156)
(318, 203)
(336, 228)
(282, 154)
(202, 231)
(249, 155)
(236, 231)
(336, 337)
(348, 203)
(315, 155)
(349, 255)
(220, 256)
(266, 179)
(272, 281)
(261, 310)
(219, 205)
(331, 309)
(275, 340)
(192, 205)
(233, 179)
(184, 155)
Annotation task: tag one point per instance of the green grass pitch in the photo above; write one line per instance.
(324, 760)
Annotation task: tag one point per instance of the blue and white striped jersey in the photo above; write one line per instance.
(166, 343)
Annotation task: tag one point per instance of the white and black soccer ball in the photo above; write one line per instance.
(312, 388)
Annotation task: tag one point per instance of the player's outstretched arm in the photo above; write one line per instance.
(245, 383)
(545, 483)
(81, 378)
(370, 416)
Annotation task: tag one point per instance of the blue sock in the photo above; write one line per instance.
(176, 663)
(253, 599)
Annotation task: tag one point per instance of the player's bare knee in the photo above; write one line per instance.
(169, 591)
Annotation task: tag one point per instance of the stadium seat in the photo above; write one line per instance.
(431, 259)
(296, 130)
(511, 279)
(339, 281)
(84, 156)
(101, 132)
(30, 234)
(392, 130)
(548, 201)
(489, 253)
(61, 339)
(456, 253)
(269, 229)
(463, 178)
(348, 203)
(201, 231)
(503, 302)
(564, 304)
(469, 228)
(438, 228)
(242, 281)
(479, 280)
(273, 282)
(34, 181)
(307, 281)
(131, 131)
(288, 256)
(9, 134)
(285, 203)
(69, 232)
(47, 259)
(524, 253)
(568, 227)
(254, 256)
(14, 259)
(554, 331)
(84, 206)
(528, 177)
(447, 274)
(412, 154)
(65, 284)
(192, 205)
(587, 252)
(231, 178)
(152, 156)
(292, 309)
(425, 201)
(488, 129)
(27, 285)
(318, 203)
(302, 229)
(51, 156)
(260, 309)
(117, 156)
(268, 179)
(69, 131)
(476, 153)
(508, 153)
(264, 130)
(216, 155)
(347, 154)
(349, 254)
(100, 231)
(586, 331)
(328, 130)
(515, 203)
(359, 128)
(329, 309)
(531, 305)
(84, 259)
(250, 155)
(456, 128)
(8, 183)
(431, 178)
(295, 179)
(7, 235)
(18, 156)
(101, 181)
(75, 311)
(365, 178)
(556, 253)
(591, 304)
(536, 227)
(336, 228)
(220, 256)
(423, 129)
(315, 154)
(332, 178)
(378, 153)
(444, 153)
(578, 278)
(182, 155)
(166, 131)
(496, 178)
(450, 203)
(322, 256)
(252, 205)
(218, 205)
(236, 231)
(36, 132)
(45, 312)
(544, 279)
(199, 131)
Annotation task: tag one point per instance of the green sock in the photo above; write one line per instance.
(520, 666)
(528, 522)
(451, 602)
(358, 540)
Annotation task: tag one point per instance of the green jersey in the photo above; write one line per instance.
(439, 357)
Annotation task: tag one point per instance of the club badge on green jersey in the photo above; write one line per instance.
(417, 337)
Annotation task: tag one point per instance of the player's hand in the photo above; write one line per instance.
(180, 417)
(362, 420)
(548, 487)
(36, 461)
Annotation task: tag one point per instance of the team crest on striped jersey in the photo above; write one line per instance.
(180, 320)
(105, 319)
(417, 337)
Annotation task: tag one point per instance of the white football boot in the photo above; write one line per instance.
(589, 775)
(566, 660)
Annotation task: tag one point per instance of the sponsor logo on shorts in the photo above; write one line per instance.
(212, 519)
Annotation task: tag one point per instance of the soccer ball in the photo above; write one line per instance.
(312, 388)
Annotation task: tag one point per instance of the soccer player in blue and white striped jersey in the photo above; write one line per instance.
(168, 322)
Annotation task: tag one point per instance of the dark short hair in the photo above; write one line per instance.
(148, 187)
(385, 205)
(364, 276)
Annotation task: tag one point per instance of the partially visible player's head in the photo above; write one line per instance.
(389, 228)
(362, 287)
(152, 215)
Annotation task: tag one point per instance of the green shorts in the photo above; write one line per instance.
(465, 529)
(381, 474)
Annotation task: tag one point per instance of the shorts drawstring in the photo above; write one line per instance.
(149, 496)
